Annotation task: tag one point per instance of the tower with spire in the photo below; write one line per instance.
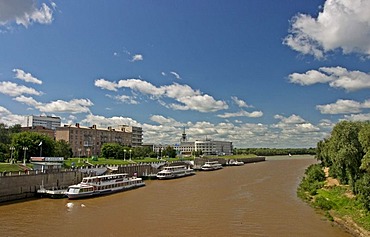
(183, 137)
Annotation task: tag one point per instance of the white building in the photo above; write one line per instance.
(44, 121)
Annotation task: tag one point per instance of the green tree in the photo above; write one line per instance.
(35, 143)
(346, 151)
(63, 149)
(169, 151)
(112, 150)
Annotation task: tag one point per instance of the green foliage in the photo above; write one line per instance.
(63, 149)
(313, 180)
(363, 191)
(275, 151)
(32, 141)
(169, 152)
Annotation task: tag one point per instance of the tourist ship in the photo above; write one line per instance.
(171, 172)
(211, 165)
(103, 184)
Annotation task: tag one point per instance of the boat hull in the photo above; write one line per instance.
(102, 192)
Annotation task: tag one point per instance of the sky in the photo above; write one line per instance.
(277, 74)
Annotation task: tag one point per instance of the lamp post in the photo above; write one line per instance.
(24, 154)
(130, 153)
(124, 154)
(88, 152)
(79, 154)
(12, 148)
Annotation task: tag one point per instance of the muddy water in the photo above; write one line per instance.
(251, 200)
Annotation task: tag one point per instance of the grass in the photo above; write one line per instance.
(6, 167)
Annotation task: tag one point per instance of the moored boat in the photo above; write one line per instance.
(235, 163)
(103, 184)
(211, 165)
(171, 172)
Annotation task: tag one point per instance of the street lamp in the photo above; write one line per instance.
(12, 148)
(130, 153)
(124, 154)
(79, 154)
(24, 154)
(88, 152)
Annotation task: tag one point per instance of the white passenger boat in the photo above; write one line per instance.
(103, 184)
(235, 163)
(171, 172)
(211, 165)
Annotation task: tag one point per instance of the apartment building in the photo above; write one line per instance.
(87, 141)
(49, 122)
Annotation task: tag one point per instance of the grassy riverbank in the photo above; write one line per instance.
(335, 201)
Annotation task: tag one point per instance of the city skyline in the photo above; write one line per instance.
(272, 74)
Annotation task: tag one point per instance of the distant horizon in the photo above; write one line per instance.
(271, 74)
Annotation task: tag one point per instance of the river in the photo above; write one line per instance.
(252, 200)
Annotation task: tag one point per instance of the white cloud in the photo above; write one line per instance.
(358, 117)
(10, 119)
(104, 122)
(28, 101)
(74, 106)
(13, 89)
(187, 98)
(342, 24)
(137, 57)
(126, 99)
(337, 77)
(240, 103)
(177, 76)
(343, 107)
(293, 119)
(242, 113)
(27, 77)
(104, 84)
(25, 12)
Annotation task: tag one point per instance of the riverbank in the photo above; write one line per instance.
(335, 201)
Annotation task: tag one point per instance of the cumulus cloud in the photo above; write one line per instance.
(343, 107)
(125, 99)
(342, 24)
(27, 77)
(13, 89)
(186, 97)
(242, 113)
(74, 106)
(104, 122)
(25, 12)
(10, 119)
(137, 57)
(337, 77)
(240, 103)
(358, 117)
(107, 85)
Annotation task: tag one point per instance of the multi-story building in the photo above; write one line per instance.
(211, 147)
(87, 141)
(41, 130)
(137, 134)
(43, 121)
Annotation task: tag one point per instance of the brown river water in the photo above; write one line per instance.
(252, 200)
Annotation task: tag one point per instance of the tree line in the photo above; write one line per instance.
(347, 154)
(18, 145)
(275, 151)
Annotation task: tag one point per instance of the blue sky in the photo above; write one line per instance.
(257, 73)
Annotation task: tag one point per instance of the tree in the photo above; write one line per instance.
(346, 151)
(35, 143)
(112, 150)
(169, 151)
(63, 149)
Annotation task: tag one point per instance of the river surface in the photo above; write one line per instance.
(252, 200)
